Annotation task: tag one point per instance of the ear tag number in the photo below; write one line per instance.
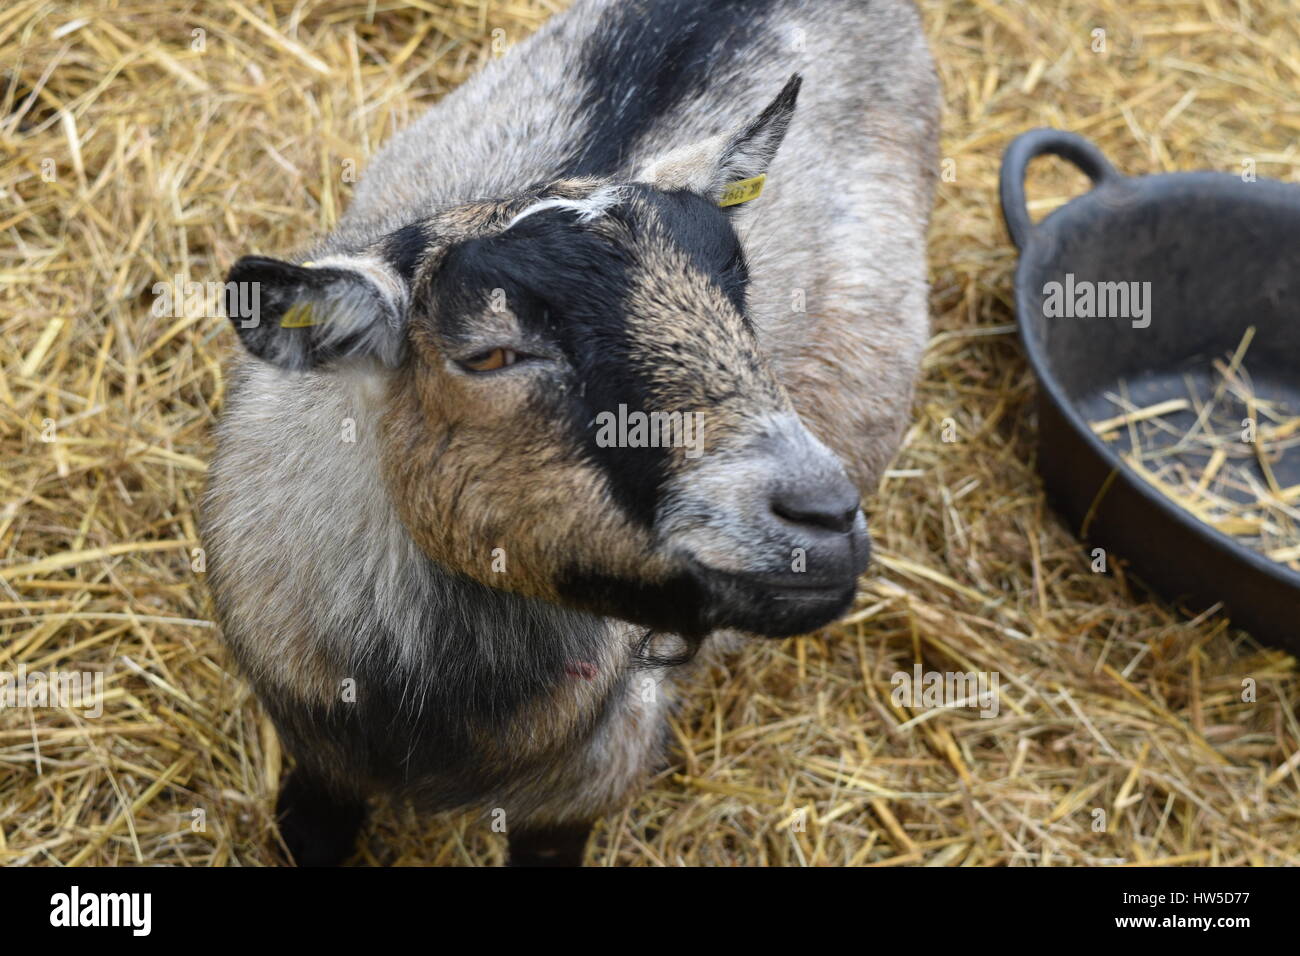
(743, 190)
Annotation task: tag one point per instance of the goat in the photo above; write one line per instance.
(448, 576)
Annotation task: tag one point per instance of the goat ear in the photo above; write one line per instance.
(305, 316)
(709, 166)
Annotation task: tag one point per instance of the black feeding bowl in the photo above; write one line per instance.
(1220, 255)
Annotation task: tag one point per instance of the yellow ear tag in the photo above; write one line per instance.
(298, 316)
(743, 190)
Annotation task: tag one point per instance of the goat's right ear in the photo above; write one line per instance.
(304, 316)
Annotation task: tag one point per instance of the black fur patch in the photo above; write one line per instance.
(404, 248)
(677, 605)
(646, 60)
(694, 604)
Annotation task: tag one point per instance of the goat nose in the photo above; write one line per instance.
(830, 506)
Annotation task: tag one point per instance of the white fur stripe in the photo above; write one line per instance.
(593, 207)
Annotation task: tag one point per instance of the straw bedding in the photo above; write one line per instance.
(146, 139)
(1218, 453)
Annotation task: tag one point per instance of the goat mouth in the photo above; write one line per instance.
(777, 583)
(700, 600)
(775, 605)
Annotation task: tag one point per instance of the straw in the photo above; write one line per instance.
(1221, 467)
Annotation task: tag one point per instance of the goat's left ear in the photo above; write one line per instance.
(308, 316)
(709, 166)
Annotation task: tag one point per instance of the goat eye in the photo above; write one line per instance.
(491, 361)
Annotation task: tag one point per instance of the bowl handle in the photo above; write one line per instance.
(1015, 162)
